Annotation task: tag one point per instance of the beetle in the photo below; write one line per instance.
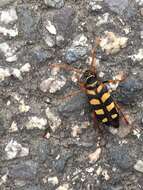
(104, 108)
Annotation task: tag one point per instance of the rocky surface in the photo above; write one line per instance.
(72, 156)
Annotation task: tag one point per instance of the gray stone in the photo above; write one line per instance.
(25, 170)
(123, 156)
(28, 23)
(43, 150)
(53, 118)
(76, 53)
(64, 22)
(61, 163)
(117, 6)
(1, 120)
(19, 183)
(133, 85)
(46, 34)
(54, 3)
(32, 187)
(60, 41)
(78, 49)
(74, 105)
(141, 11)
(129, 90)
(109, 187)
(140, 182)
(5, 2)
(40, 55)
(122, 7)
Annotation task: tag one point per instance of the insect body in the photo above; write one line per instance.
(104, 108)
(100, 100)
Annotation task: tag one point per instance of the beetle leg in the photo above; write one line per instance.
(122, 114)
(113, 81)
(93, 61)
(66, 67)
(113, 84)
(74, 93)
(71, 94)
(119, 78)
(96, 124)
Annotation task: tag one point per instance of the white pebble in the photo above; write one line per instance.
(36, 122)
(47, 135)
(111, 43)
(101, 74)
(8, 16)
(25, 68)
(10, 32)
(63, 187)
(139, 166)
(8, 52)
(90, 170)
(52, 84)
(140, 2)
(13, 127)
(76, 130)
(137, 133)
(53, 119)
(138, 56)
(102, 19)
(99, 170)
(8, 103)
(16, 73)
(51, 28)
(80, 40)
(106, 175)
(23, 108)
(4, 73)
(53, 180)
(4, 178)
(49, 41)
(93, 157)
(11, 58)
(14, 149)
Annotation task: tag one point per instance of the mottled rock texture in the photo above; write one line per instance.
(35, 96)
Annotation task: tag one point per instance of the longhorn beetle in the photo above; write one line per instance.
(105, 109)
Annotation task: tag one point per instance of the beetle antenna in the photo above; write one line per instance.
(66, 67)
(93, 62)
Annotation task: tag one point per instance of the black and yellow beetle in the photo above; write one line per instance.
(105, 109)
(103, 106)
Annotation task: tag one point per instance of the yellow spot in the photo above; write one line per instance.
(104, 120)
(99, 88)
(105, 96)
(110, 106)
(114, 116)
(91, 92)
(92, 84)
(99, 112)
(95, 102)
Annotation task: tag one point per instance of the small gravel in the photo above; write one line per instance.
(139, 166)
(37, 34)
